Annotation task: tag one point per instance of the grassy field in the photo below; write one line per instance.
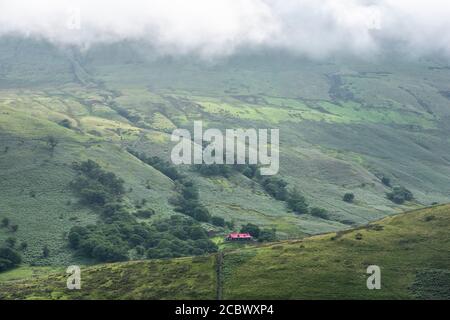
(412, 249)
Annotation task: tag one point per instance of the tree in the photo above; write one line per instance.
(45, 251)
(296, 202)
(229, 224)
(5, 222)
(218, 221)
(9, 258)
(23, 245)
(349, 197)
(267, 235)
(52, 142)
(201, 214)
(65, 123)
(252, 229)
(386, 181)
(14, 228)
(11, 242)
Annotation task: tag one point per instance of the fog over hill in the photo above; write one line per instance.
(215, 28)
(91, 91)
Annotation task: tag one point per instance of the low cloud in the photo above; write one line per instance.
(223, 27)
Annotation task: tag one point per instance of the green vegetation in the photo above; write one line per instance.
(297, 202)
(349, 197)
(262, 235)
(9, 258)
(333, 266)
(119, 233)
(276, 187)
(182, 278)
(399, 195)
(188, 200)
(345, 127)
(329, 266)
(96, 186)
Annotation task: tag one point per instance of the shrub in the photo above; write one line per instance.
(52, 142)
(23, 245)
(65, 123)
(320, 213)
(349, 197)
(5, 222)
(386, 181)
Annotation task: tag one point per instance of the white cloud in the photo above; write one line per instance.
(221, 27)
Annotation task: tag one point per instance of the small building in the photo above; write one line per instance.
(235, 236)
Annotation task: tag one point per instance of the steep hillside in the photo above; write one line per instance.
(344, 126)
(412, 250)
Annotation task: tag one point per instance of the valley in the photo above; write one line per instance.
(360, 141)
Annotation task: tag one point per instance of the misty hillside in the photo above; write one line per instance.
(345, 127)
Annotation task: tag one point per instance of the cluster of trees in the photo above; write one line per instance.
(118, 233)
(276, 187)
(96, 186)
(134, 118)
(225, 170)
(399, 195)
(188, 200)
(214, 170)
(260, 234)
(297, 203)
(108, 242)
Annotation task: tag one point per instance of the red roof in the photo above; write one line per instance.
(236, 235)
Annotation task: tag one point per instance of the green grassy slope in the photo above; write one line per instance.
(183, 278)
(409, 248)
(343, 125)
(412, 250)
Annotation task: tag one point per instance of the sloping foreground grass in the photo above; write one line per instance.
(183, 278)
(412, 250)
